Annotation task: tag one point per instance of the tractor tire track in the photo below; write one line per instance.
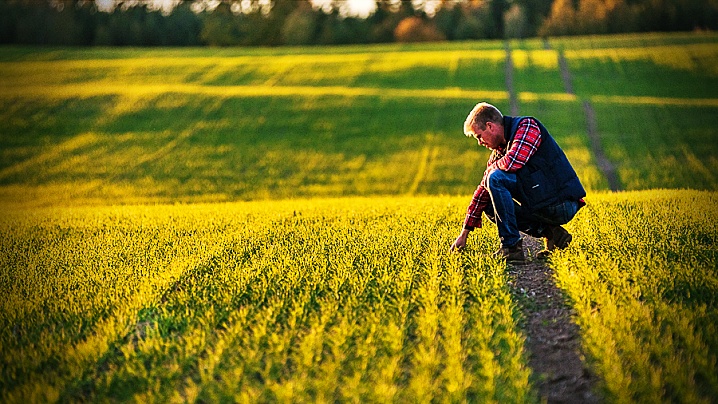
(604, 163)
(513, 99)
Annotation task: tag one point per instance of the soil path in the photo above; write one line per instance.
(553, 341)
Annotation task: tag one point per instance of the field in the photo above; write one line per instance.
(262, 225)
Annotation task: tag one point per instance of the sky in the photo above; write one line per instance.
(357, 8)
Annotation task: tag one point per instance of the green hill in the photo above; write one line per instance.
(197, 125)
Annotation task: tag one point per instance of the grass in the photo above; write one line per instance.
(645, 293)
(211, 125)
(178, 146)
(344, 298)
(410, 69)
(268, 301)
(567, 124)
(661, 146)
(536, 71)
(680, 71)
(638, 40)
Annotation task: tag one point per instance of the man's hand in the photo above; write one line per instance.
(460, 242)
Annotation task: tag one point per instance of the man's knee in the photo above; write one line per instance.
(500, 179)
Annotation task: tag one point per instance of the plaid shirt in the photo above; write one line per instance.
(525, 144)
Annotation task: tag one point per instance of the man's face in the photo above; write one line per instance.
(491, 137)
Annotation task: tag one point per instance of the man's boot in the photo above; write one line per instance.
(513, 254)
(557, 238)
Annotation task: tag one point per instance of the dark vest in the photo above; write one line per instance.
(547, 178)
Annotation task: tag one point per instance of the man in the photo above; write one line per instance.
(529, 184)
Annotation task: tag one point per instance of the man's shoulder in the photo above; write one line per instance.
(527, 120)
(513, 122)
(525, 124)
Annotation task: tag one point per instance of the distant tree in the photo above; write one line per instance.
(469, 27)
(561, 20)
(61, 27)
(516, 23)
(277, 22)
(8, 18)
(274, 21)
(613, 16)
(300, 27)
(476, 22)
(103, 36)
(593, 15)
(495, 17)
(183, 27)
(337, 30)
(607, 16)
(707, 17)
(417, 29)
(383, 22)
(404, 8)
(126, 27)
(625, 17)
(388, 15)
(151, 27)
(447, 19)
(219, 27)
(535, 12)
(28, 17)
(695, 14)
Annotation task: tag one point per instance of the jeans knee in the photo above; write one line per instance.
(497, 179)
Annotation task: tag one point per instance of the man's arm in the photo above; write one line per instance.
(460, 242)
(479, 202)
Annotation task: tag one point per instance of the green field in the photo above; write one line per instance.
(273, 224)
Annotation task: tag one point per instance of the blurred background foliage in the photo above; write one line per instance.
(325, 22)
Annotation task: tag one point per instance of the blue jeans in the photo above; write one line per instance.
(510, 217)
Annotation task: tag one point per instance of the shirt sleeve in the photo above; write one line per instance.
(526, 142)
(479, 202)
(481, 197)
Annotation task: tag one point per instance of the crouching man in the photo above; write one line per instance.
(528, 186)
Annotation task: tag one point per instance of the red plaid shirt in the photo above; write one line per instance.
(526, 141)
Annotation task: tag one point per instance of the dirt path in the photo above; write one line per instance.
(553, 341)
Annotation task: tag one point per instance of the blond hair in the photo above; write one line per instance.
(483, 112)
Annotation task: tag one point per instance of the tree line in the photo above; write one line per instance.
(303, 22)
